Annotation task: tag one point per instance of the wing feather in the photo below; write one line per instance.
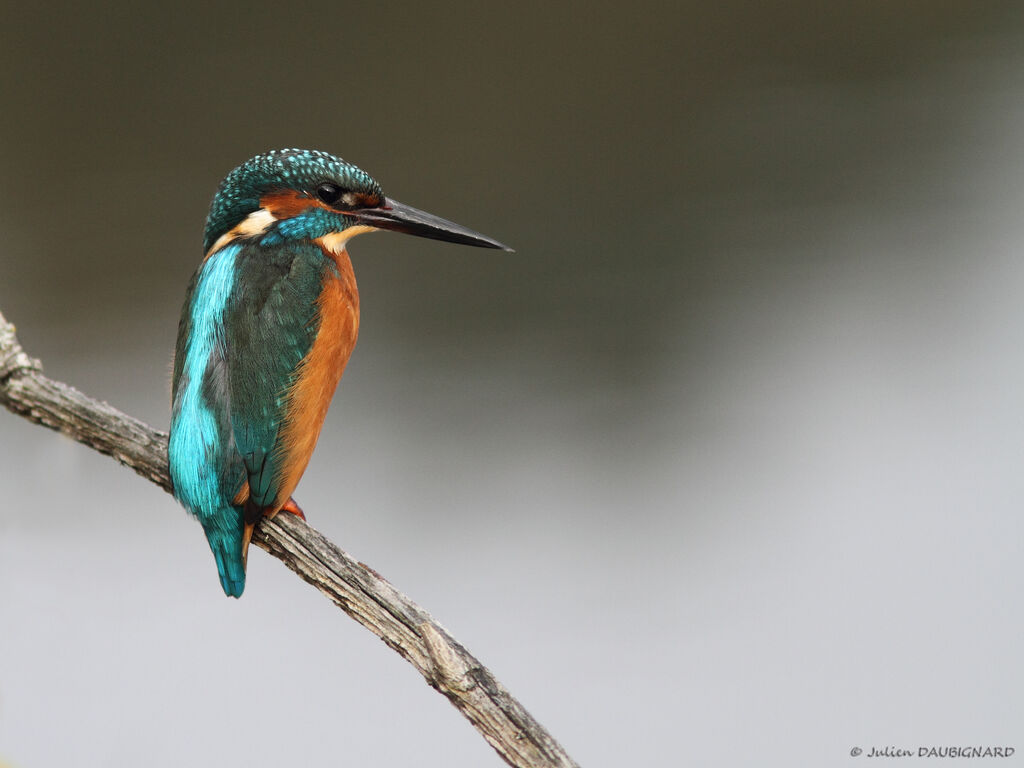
(270, 323)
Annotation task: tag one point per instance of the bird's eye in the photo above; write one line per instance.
(329, 193)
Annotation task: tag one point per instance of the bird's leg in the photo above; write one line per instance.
(253, 515)
(291, 507)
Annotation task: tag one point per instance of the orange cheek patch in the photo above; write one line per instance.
(365, 200)
(284, 205)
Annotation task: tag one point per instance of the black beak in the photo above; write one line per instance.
(397, 217)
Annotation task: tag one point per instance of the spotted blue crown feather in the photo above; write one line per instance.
(239, 194)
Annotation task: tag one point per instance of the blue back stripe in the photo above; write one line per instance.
(195, 441)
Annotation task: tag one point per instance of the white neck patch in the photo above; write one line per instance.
(256, 223)
(335, 241)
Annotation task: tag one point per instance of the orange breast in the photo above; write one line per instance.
(318, 373)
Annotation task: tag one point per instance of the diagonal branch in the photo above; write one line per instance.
(358, 590)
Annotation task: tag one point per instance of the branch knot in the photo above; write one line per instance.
(13, 359)
(449, 670)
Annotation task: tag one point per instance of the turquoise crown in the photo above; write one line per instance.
(299, 169)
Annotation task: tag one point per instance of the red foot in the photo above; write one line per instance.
(293, 508)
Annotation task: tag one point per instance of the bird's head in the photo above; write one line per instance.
(307, 194)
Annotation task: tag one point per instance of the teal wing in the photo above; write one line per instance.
(270, 324)
(205, 469)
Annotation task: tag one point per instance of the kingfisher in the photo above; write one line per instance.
(270, 320)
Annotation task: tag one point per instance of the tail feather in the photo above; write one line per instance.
(228, 553)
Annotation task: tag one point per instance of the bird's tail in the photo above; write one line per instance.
(227, 550)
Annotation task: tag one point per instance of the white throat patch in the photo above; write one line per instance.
(335, 241)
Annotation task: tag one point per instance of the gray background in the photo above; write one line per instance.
(722, 467)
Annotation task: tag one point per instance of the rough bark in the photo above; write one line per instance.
(358, 590)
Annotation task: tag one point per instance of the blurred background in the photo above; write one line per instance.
(722, 467)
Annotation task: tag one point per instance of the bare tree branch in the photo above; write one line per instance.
(358, 590)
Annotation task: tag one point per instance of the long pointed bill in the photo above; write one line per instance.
(398, 217)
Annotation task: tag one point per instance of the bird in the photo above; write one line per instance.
(269, 322)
